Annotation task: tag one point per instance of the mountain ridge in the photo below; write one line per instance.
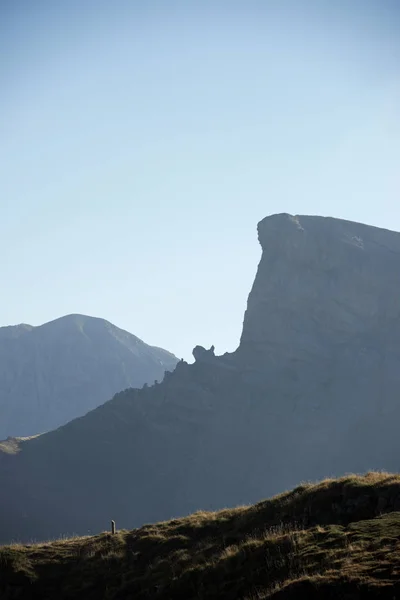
(310, 392)
(63, 368)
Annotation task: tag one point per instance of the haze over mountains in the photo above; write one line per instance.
(311, 391)
(61, 370)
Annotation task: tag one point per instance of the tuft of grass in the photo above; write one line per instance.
(12, 445)
(339, 538)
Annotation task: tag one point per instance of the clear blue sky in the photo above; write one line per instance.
(141, 142)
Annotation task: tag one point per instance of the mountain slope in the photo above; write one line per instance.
(311, 391)
(63, 369)
(335, 539)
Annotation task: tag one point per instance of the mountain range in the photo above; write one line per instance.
(311, 391)
(63, 369)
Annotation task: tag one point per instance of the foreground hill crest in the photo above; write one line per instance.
(334, 539)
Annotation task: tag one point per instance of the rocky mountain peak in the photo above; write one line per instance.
(320, 279)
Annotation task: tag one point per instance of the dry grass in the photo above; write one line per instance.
(319, 540)
(12, 445)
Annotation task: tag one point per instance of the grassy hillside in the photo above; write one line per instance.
(335, 539)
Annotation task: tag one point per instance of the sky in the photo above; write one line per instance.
(141, 143)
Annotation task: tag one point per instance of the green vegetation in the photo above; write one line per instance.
(339, 538)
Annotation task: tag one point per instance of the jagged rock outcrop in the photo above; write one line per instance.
(63, 369)
(201, 354)
(311, 391)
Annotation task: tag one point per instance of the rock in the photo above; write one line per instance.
(321, 281)
(201, 354)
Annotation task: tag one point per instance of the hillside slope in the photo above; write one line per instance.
(336, 539)
(312, 391)
(63, 369)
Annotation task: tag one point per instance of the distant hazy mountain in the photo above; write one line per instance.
(312, 391)
(63, 369)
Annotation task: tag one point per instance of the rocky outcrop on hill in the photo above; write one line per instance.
(63, 369)
(311, 391)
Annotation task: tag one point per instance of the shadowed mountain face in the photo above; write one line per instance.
(63, 369)
(311, 391)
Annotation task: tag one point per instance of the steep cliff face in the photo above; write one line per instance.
(63, 369)
(311, 391)
(321, 333)
(321, 282)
